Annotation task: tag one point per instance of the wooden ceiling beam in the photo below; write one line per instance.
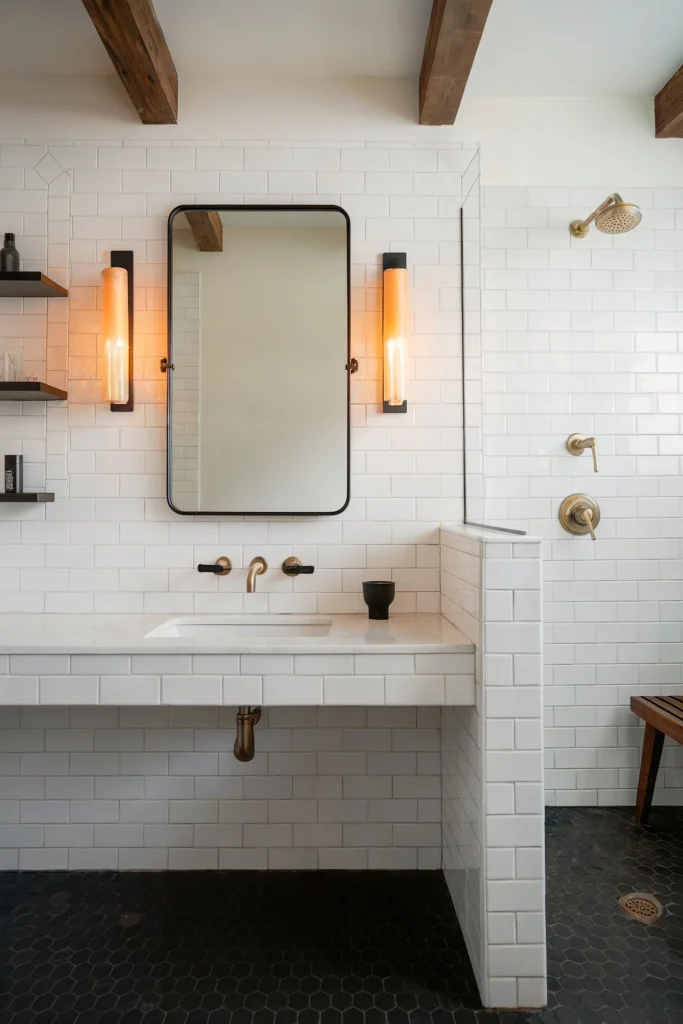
(207, 228)
(669, 108)
(133, 38)
(453, 36)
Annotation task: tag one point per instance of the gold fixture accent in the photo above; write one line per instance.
(641, 906)
(352, 366)
(227, 566)
(614, 217)
(246, 719)
(580, 514)
(577, 444)
(290, 563)
(257, 567)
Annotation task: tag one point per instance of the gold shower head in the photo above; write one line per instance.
(614, 217)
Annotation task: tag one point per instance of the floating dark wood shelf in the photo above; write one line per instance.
(29, 284)
(30, 391)
(29, 496)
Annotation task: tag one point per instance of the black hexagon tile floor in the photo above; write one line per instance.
(342, 947)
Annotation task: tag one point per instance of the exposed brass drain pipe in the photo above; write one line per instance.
(247, 718)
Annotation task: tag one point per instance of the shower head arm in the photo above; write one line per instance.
(579, 228)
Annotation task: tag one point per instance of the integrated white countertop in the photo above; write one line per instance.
(111, 659)
(127, 634)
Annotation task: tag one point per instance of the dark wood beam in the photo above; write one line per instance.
(669, 108)
(207, 228)
(135, 43)
(455, 29)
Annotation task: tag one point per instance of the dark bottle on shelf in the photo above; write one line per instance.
(9, 254)
(14, 474)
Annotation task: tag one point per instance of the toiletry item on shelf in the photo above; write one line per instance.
(9, 254)
(14, 474)
(378, 595)
(13, 365)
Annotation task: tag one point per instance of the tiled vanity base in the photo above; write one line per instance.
(152, 788)
(228, 679)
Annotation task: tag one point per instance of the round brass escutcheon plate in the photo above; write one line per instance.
(572, 444)
(227, 566)
(577, 503)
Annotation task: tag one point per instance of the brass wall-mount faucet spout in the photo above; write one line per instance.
(257, 567)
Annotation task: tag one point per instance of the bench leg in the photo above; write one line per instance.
(649, 766)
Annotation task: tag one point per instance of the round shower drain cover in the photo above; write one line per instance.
(641, 906)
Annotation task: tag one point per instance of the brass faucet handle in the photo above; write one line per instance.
(221, 567)
(292, 567)
(585, 516)
(577, 443)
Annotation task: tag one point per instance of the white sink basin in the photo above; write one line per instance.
(216, 628)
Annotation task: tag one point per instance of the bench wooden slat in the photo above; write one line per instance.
(669, 706)
(674, 705)
(664, 713)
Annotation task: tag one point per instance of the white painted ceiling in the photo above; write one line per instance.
(529, 48)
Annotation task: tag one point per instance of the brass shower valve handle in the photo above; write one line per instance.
(580, 514)
(586, 516)
(577, 444)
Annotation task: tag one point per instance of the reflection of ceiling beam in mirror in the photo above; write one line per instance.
(135, 42)
(669, 108)
(453, 36)
(207, 229)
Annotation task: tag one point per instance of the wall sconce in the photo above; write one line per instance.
(395, 330)
(117, 327)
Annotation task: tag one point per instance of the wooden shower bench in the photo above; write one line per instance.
(663, 716)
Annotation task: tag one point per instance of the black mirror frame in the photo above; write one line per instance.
(168, 368)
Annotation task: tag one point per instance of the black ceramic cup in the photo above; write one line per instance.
(378, 595)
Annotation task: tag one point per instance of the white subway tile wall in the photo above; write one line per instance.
(492, 764)
(585, 335)
(150, 788)
(219, 679)
(109, 543)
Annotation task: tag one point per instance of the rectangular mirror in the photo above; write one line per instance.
(258, 389)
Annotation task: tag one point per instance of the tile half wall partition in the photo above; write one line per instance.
(492, 763)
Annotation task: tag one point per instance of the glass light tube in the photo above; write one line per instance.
(115, 330)
(395, 314)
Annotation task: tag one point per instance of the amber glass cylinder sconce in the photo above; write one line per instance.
(395, 314)
(117, 328)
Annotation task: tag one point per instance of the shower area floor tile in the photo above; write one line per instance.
(340, 947)
(603, 966)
